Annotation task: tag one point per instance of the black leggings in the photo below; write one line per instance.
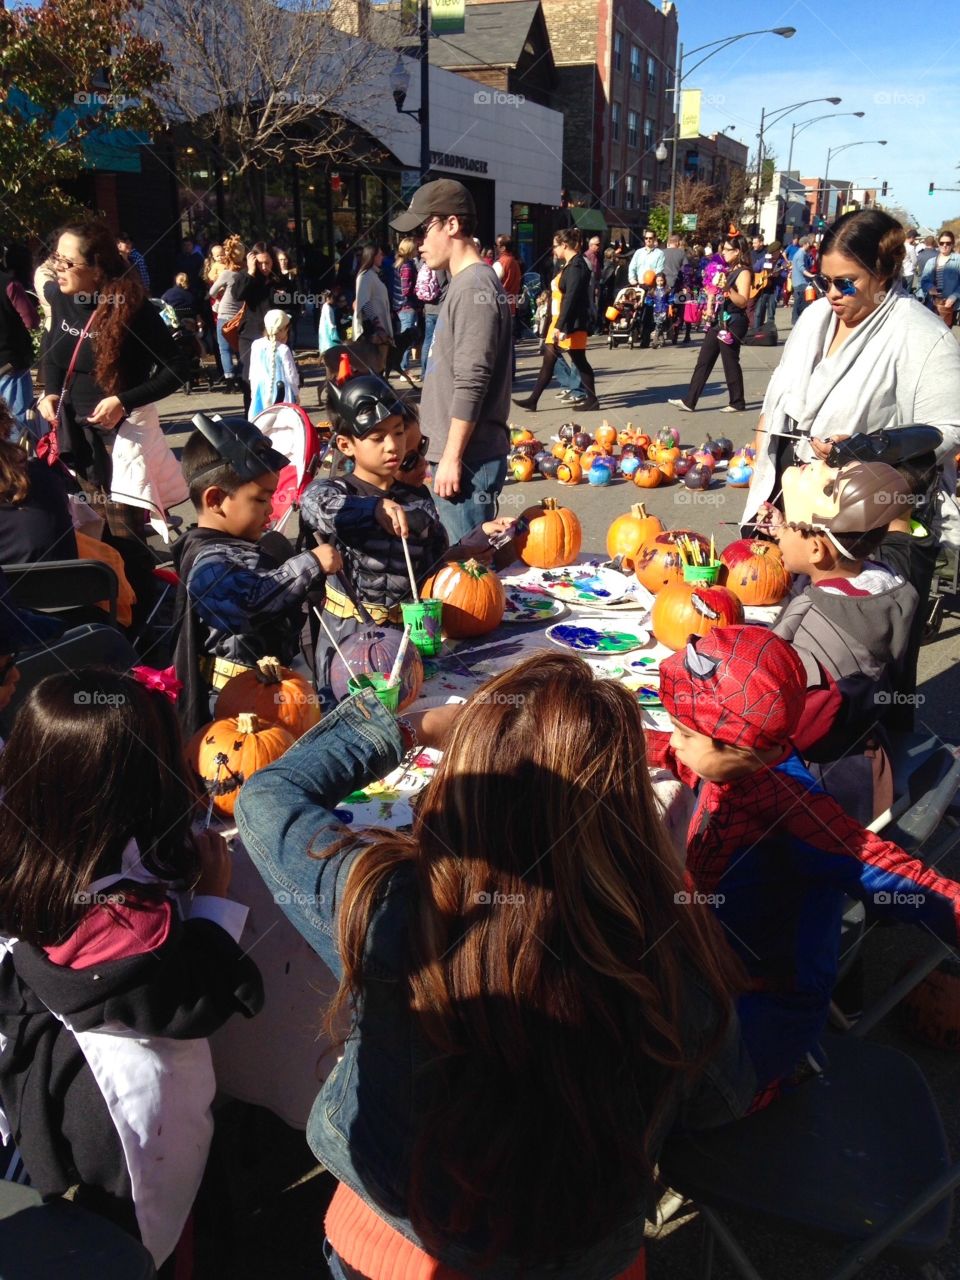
(580, 362)
(729, 353)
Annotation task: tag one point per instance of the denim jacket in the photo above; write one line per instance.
(364, 1121)
(951, 277)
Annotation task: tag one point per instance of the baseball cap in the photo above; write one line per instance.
(443, 198)
(240, 444)
(742, 685)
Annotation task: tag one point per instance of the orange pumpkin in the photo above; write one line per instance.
(606, 436)
(642, 441)
(472, 595)
(626, 436)
(559, 451)
(552, 536)
(571, 455)
(522, 467)
(226, 752)
(659, 563)
(274, 693)
(683, 609)
(520, 435)
(754, 571)
(663, 453)
(589, 457)
(570, 472)
(647, 476)
(628, 533)
(931, 1012)
(668, 470)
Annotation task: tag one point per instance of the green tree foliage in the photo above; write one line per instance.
(70, 70)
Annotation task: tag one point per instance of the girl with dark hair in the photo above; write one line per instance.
(726, 334)
(262, 288)
(535, 998)
(112, 974)
(372, 317)
(108, 358)
(862, 358)
(571, 309)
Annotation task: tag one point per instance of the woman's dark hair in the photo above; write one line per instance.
(262, 247)
(742, 245)
(551, 942)
(368, 255)
(94, 761)
(120, 292)
(14, 479)
(569, 237)
(870, 237)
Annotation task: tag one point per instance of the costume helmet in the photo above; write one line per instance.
(362, 403)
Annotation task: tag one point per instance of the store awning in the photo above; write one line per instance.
(588, 219)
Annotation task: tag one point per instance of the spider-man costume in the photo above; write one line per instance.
(781, 856)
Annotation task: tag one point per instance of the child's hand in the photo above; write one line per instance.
(502, 524)
(392, 517)
(329, 558)
(216, 866)
(769, 518)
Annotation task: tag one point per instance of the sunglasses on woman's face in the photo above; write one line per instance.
(411, 458)
(948, 244)
(846, 286)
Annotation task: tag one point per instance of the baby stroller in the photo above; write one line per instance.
(290, 430)
(185, 329)
(530, 288)
(623, 317)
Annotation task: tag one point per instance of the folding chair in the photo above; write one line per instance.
(857, 1154)
(70, 589)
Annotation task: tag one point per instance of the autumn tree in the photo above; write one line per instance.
(70, 71)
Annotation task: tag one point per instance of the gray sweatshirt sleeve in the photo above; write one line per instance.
(475, 318)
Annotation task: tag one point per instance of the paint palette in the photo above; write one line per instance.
(531, 606)
(586, 584)
(389, 802)
(599, 640)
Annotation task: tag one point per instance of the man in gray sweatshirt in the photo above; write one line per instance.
(466, 391)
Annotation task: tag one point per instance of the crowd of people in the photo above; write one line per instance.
(508, 1077)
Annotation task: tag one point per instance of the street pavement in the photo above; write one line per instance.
(274, 1197)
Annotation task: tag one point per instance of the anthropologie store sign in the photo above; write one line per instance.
(447, 160)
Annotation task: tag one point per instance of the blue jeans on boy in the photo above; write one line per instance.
(429, 324)
(480, 485)
(567, 374)
(229, 359)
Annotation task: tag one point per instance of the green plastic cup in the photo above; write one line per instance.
(389, 694)
(424, 618)
(708, 573)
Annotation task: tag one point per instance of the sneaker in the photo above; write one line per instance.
(731, 408)
(588, 403)
(569, 397)
(577, 398)
(678, 404)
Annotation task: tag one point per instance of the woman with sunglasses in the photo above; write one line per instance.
(940, 282)
(726, 335)
(863, 358)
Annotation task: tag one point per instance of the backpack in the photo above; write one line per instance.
(428, 286)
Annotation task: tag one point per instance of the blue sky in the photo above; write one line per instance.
(898, 63)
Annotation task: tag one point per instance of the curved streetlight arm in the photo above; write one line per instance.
(716, 45)
(796, 129)
(835, 151)
(774, 116)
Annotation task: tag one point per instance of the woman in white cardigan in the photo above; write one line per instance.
(866, 357)
(372, 317)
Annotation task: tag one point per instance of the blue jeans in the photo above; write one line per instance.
(480, 485)
(766, 309)
(408, 320)
(229, 359)
(17, 390)
(567, 374)
(429, 324)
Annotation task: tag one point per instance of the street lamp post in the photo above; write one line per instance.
(715, 46)
(833, 151)
(799, 128)
(400, 86)
(777, 114)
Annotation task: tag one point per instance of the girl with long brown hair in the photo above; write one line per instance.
(536, 997)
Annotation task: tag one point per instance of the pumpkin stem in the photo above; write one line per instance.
(248, 722)
(269, 670)
(549, 504)
(474, 568)
(639, 510)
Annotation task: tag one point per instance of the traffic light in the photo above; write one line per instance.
(930, 192)
(883, 189)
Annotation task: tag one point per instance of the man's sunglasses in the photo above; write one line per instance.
(411, 459)
(845, 285)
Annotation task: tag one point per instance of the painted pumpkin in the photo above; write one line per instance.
(540, 459)
(931, 1012)
(626, 436)
(606, 436)
(559, 451)
(582, 441)
(549, 466)
(685, 609)
(699, 476)
(658, 563)
(668, 436)
(520, 435)
(648, 476)
(472, 595)
(755, 572)
(726, 446)
(568, 430)
(642, 441)
(629, 465)
(704, 457)
(571, 455)
(630, 531)
(570, 472)
(599, 474)
(225, 753)
(719, 449)
(274, 693)
(590, 456)
(374, 649)
(668, 470)
(739, 474)
(521, 467)
(552, 536)
(682, 465)
(530, 449)
(663, 453)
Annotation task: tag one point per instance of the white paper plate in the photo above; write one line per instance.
(531, 606)
(606, 642)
